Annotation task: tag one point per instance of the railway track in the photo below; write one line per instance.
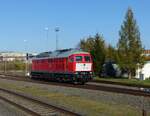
(120, 83)
(33, 106)
(136, 92)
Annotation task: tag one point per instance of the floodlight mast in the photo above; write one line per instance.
(57, 30)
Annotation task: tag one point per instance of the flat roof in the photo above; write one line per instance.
(59, 53)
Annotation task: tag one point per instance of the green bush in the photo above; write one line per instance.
(12, 65)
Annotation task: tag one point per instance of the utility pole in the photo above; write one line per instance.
(26, 60)
(5, 60)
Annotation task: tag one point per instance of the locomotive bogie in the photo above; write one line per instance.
(62, 77)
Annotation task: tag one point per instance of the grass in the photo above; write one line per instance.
(86, 106)
(134, 82)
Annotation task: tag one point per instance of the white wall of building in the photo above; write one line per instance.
(143, 73)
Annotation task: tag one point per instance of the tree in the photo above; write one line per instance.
(96, 46)
(129, 46)
(109, 70)
(87, 44)
(98, 53)
(111, 53)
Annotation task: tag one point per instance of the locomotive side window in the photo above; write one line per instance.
(71, 60)
(87, 58)
(78, 58)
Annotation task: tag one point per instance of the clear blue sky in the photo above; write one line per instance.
(26, 19)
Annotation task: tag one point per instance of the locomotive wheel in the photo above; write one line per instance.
(82, 83)
(60, 80)
(30, 77)
(75, 82)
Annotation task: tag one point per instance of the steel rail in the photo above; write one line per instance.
(34, 113)
(86, 86)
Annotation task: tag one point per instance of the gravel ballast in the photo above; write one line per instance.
(56, 94)
(7, 109)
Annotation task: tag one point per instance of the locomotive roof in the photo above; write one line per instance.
(60, 53)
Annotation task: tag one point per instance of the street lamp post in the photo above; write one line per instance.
(57, 30)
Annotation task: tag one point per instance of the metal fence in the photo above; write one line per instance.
(15, 65)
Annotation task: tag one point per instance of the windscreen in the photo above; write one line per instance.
(87, 58)
(78, 58)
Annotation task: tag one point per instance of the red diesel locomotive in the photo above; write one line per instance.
(63, 65)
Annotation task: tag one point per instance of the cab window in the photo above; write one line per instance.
(78, 58)
(87, 58)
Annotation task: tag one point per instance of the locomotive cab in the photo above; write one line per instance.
(81, 66)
